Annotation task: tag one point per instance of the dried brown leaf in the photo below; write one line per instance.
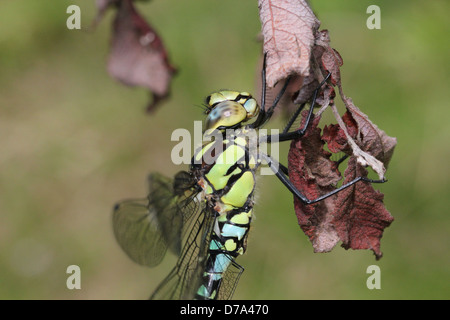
(288, 28)
(360, 216)
(370, 145)
(364, 158)
(313, 174)
(324, 60)
(331, 60)
(336, 138)
(370, 138)
(137, 56)
(356, 215)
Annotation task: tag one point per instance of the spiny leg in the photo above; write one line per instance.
(342, 159)
(285, 135)
(313, 102)
(270, 111)
(264, 115)
(280, 170)
(283, 169)
(294, 117)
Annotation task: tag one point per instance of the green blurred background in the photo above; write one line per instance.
(74, 142)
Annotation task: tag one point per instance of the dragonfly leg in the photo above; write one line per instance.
(265, 115)
(285, 135)
(338, 163)
(279, 171)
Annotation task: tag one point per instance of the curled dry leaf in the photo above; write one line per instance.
(364, 158)
(356, 215)
(369, 137)
(324, 60)
(336, 138)
(313, 174)
(288, 29)
(371, 146)
(137, 56)
(359, 215)
(331, 61)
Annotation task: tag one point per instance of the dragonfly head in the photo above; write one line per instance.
(228, 109)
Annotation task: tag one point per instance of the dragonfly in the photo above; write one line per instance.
(203, 215)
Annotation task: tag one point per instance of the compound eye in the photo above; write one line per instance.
(225, 114)
(252, 107)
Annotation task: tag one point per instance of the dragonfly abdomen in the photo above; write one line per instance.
(228, 187)
(229, 240)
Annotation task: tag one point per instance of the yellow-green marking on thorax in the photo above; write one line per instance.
(240, 191)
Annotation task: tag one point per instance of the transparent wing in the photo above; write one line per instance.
(168, 208)
(230, 280)
(185, 278)
(137, 232)
(145, 228)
